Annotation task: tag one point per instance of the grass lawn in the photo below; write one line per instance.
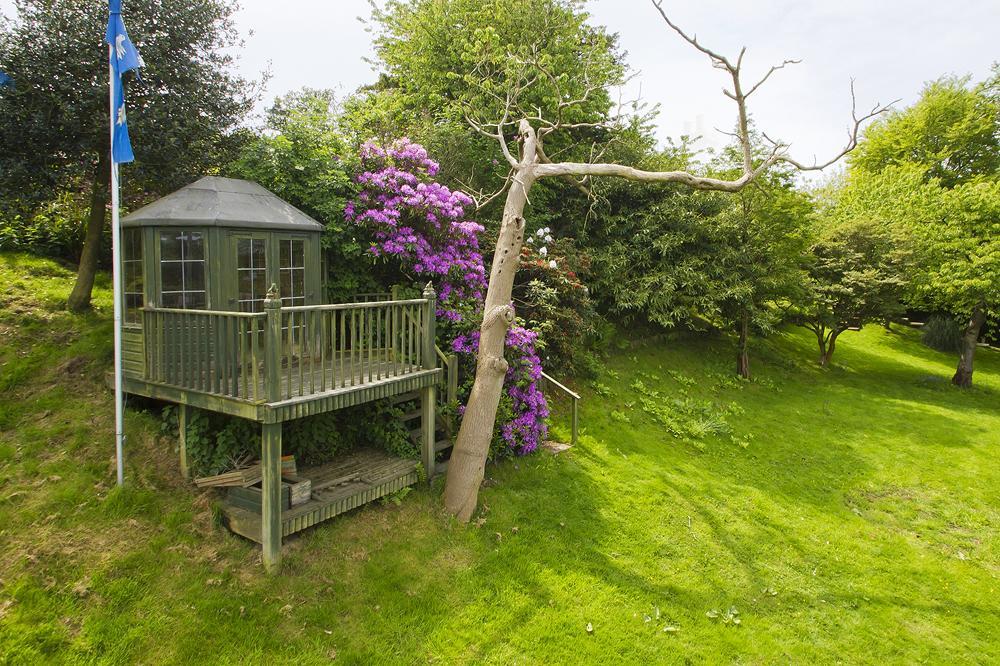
(848, 515)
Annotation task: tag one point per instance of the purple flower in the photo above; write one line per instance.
(421, 224)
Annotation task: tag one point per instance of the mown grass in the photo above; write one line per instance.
(846, 515)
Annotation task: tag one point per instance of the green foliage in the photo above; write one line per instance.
(952, 133)
(930, 174)
(182, 116)
(55, 229)
(303, 157)
(215, 443)
(672, 256)
(942, 332)
(856, 275)
(555, 303)
(445, 62)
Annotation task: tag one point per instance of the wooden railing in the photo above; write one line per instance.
(285, 353)
(325, 347)
(205, 350)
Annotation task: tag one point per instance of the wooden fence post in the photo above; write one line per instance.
(270, 445)
(428, 394)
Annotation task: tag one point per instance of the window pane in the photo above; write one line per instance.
(259, 284)
(195, 247)
(245, 285)
(170, 245)
(175, 300)
(243, 253)
(132, 244)
(259, 260)
(133, 302)
(172, 276)
(298, 252)
(194, 275)
(298, 283)
(286, 254)
(286, 284)
(194, 299)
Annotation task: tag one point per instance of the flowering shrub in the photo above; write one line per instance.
(554, 302)
(526, 427)
(422, 225)
(419, 223)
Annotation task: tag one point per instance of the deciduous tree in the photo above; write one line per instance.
(54, 123)
(856, 276)
(505, 77)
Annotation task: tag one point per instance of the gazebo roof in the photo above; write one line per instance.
(222, 202)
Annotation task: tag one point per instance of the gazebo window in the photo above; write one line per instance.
(182, 269)
(251, 270)
(132, 274)
(292, 271)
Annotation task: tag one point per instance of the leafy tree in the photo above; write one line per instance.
(932, 171)
(856, 276)
(952, 132)
(54, 123)
(509, 92)
(673, 256)
(303, 156)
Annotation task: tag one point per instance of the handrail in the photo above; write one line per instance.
(222, 313)
(352, 306)
(564, 389)
(576, 409)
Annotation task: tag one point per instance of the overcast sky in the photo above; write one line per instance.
(890, 48)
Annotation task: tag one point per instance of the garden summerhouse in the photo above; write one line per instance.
(224, 311)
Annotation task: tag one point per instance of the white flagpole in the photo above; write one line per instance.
(116, 280)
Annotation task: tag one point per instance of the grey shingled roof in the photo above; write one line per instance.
(222, 202)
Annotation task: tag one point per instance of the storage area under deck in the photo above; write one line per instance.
(352, 480)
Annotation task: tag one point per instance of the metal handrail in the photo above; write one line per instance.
(575, 397)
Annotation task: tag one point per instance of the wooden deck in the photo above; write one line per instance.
(352, 480)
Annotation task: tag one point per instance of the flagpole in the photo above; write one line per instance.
(116, 280)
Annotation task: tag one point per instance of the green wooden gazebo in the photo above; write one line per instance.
(223, 294)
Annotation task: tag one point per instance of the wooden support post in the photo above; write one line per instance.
(270, 520)
(576, 419)
(270, 439)
(183, 416)
(428, 395)
(428, 437)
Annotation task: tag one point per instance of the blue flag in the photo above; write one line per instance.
(5, 80)
(123, 57)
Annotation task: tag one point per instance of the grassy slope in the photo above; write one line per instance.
(860, 524)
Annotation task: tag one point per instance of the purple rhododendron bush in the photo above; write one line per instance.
(422, 225)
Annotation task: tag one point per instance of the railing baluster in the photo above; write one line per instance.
(322, 351)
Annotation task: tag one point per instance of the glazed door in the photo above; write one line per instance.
(251, 253)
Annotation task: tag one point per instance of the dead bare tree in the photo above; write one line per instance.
(468, 460)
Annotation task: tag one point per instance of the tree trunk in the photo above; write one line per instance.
(831, 344)
(467, 465)
(742, 354)
(821, 342)
(79, 298)
(970, 338)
